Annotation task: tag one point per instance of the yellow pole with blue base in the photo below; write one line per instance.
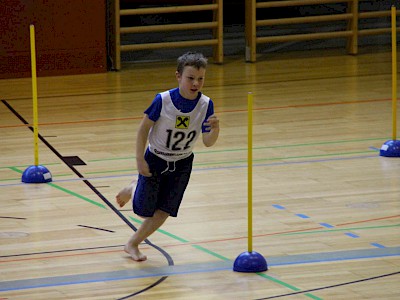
(35, 173)
(250, 261)
(391, 148)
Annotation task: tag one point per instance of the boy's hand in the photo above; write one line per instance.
(125, 194)
(143, 168)
(212, 123)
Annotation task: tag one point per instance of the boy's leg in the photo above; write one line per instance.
(148, 226)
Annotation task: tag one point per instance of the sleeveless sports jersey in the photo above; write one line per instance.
(174, 134)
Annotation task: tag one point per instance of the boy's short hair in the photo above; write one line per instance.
(193, 59)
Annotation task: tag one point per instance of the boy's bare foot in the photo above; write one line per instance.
(125, 195)
(134, 252)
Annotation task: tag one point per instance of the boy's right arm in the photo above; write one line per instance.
(141, 143)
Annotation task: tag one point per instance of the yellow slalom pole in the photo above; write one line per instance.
(35, 173)
(250, 261)
(34, 95)
(250, 170)
(394, 73)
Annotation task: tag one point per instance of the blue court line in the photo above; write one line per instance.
(352, 235)
(378, 245)
(214, 168)
(281, 163)
(337, 256)
(303, 216)
(279, 206)
(326, 225)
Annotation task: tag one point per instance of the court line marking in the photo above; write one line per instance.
(182, 241)
(217, 112)
(371, 150)
(174, 270)
(330, 226)
(218, 255)
(330, 286)
(310, 161)
(80, 176)
(325, 104)
(138, 221)
(15, 168)
(100, 195)
(344, 229)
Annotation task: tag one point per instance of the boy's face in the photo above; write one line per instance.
(190, 81)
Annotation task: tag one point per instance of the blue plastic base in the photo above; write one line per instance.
(36, 174)
(390, 148)
(250, 262)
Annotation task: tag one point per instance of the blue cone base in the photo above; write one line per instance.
(390, 148)
(36, 174)
(250, 262)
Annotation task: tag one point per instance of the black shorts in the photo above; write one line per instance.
(164, 189)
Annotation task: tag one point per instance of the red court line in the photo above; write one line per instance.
(363, 221)
(60, 256)
(308, 105)
(193, 243)
(220, 112)
(74, 122)
(165, 246)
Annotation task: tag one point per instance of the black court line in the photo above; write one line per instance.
(60, 251)
(330, 286)
(13, 218)
(202, 267)
(73, 161)
(100, 195)
(97, 228)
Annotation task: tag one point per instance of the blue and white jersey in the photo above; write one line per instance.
(176, 130)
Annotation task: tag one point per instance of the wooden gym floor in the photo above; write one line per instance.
(326, 206)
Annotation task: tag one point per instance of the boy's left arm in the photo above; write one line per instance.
(210, 137)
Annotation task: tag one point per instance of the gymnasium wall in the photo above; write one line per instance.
(70, 37)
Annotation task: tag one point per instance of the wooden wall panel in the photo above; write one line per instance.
(70, 37)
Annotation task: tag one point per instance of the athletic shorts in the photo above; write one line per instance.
(164, 189)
